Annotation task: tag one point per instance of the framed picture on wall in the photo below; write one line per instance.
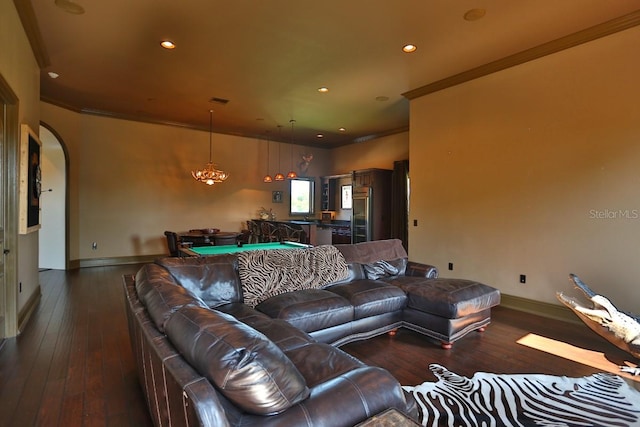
(276, 196)
(30, 180)
(346, 199)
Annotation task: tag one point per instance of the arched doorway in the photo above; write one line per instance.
(52, 236)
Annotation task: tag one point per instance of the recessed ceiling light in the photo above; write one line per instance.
(167, 44)
(382, 98)
(408, 48)
(474, 14)
(319, 135)
(53, 75)
(323, 89)
(342, 130)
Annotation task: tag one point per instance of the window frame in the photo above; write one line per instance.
(310, 195)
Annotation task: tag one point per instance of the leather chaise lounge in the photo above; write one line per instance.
(206, 357)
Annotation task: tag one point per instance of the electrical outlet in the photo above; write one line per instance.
(450, 266)
(415, 222)
(523, 278)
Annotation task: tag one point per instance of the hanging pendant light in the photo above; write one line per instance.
(292, 174)
(279, 176)
(209, 174)
(267, 178)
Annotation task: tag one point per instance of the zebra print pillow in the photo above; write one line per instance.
(264, 274)
(526, 400)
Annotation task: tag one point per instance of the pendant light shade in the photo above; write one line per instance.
(209, 174)
(267, 178)
(292, 174)
(279, 176)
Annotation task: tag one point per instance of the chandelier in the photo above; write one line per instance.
(209, 174)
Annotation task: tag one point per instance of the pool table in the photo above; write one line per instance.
(229, 249)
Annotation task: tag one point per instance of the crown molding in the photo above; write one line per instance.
(589, 34)
(31, 28)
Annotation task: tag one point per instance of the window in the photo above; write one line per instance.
(302, 192)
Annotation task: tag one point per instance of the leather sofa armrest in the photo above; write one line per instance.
(421, 270)
(344, 401)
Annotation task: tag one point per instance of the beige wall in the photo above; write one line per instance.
(376, 153)
(20, 70)
(131, 181)
(534, 170)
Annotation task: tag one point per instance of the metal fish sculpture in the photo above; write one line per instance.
(620, 328)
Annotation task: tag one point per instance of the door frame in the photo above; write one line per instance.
(9, 107)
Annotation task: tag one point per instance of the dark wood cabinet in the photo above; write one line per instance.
(328, 197)
(376, 185)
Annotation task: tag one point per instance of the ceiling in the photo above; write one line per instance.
(268, 58)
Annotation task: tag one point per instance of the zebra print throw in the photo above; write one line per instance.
(264, 274)
(526, 400)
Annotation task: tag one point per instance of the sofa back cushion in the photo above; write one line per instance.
(247, 368)
(355, 272)
(375, 250)
(214, 279)
(161, 295)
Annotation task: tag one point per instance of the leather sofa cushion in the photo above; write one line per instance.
(214, 279)
(319, 362)
(371, 297)
(450, 298)
(283, 334)
(372, 251)
(354, 272)
(247, 368)
(309, 309)
(161, 295)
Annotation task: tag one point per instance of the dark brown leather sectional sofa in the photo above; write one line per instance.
(206, 358)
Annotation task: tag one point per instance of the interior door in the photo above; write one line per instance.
(2, 246)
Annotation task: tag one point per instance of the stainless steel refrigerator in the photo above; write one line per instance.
(361, 221)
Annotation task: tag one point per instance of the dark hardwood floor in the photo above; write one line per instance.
(73, 366)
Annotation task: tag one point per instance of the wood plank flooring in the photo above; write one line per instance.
(73, 366)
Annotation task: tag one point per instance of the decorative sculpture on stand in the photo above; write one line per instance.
(620, 328)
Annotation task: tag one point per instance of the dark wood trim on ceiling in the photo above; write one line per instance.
(31, 28)
(589, 34)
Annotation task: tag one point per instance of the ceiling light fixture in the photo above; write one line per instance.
(53, 74)
(279, 176)
(70, 7)
(408, 48)
(267, 178)
(474, 14)
(168, 44)
(292, 174)
(323, 89)
(209, 174)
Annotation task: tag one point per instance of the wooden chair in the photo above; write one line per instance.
(254, 231)
(291, 233)
(173, 243)
(269, 232)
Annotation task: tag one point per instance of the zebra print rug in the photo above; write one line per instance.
(526, 400)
